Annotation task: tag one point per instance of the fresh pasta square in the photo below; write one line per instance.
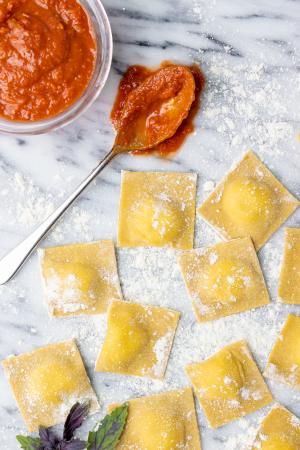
(284, 360)
(47, 382)
(250, 201)
(223, 279)
(157, 209)
(228, 384)
(162, 421)
(289, 282)
(80, 278)
(280, 430)
(138, 339)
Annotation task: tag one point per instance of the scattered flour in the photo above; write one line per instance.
(247, 111)
(208, 186)
(213, 258)
(31, 206)
(161, 350)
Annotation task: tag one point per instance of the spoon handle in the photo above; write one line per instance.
(13, 260)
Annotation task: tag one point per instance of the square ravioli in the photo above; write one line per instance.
(80, 278)
(161, 421)
(250, 201)
(284, 360)
(289, 282)
(280, 430)
(229, 384)
(47, 382)
(138, 340)
(157, 209)
(223, 279)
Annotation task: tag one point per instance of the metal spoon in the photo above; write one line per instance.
(132, 136)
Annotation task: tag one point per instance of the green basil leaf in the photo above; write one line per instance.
(29, 443)
(107, 436)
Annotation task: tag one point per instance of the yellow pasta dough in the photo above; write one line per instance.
(228, 384)
(47, 382)
(164, 421)
(280, 430)
(223, 279)
(284, 360)
(80, 278)
(289, 284)
(138, 340)
(250, 201)
(157, 209)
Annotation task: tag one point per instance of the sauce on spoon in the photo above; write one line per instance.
(162, 103)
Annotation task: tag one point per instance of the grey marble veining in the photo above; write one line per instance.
(249, 52)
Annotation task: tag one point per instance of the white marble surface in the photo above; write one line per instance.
(249, 52)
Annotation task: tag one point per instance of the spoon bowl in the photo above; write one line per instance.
(156, 108)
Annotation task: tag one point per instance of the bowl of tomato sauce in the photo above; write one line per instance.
(55, 57)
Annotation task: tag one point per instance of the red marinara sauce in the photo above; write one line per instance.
(47, 57)
(132, 78)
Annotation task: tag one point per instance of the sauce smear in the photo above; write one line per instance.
(47, 57)
(132, 79)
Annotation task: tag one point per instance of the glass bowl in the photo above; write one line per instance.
(103, 36)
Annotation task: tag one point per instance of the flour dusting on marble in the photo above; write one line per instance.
(249, 52)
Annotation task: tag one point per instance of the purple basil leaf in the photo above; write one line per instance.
(76, 444)
(48, 438)
(76, 416)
